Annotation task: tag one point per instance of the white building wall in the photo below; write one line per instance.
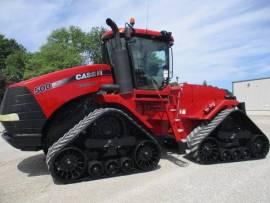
(256, 95)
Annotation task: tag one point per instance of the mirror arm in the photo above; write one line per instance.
(172, 63)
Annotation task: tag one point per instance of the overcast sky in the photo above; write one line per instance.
(218, 41)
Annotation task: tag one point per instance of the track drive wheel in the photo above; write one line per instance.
(208, 151)
(147, 155)
(68, 165)
(259, 147)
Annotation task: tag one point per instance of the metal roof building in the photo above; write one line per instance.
(255, 93)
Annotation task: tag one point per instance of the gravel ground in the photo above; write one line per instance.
(24, 178)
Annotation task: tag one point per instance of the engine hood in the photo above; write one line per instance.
(53, 90)
(65, 73)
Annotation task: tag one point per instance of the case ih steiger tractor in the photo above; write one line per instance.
(112, 118)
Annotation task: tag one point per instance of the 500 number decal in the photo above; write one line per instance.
(42, 88)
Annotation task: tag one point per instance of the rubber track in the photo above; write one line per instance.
(74, 132)
(195, 138)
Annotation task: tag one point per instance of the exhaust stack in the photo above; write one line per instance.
(120, 60)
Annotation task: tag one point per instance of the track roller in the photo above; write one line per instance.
(127, 165)
(225, 155)
(68, 165)
(147, 155)
(111, 167)
(245, 152)
(95, 169)
(236, 154)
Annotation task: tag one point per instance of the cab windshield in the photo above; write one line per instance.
(150, 59)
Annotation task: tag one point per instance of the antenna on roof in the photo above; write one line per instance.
(147, 13)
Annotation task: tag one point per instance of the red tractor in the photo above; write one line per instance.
(112, 118)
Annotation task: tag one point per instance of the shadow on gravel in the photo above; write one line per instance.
(34, 165)
(170, 156)
(171, 153)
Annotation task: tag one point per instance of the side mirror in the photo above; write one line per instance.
(129, 30)
(165, 74)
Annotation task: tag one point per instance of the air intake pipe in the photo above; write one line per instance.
(120, 60)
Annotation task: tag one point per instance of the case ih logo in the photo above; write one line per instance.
(87, 75)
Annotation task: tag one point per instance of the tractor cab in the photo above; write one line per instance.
(140, 58)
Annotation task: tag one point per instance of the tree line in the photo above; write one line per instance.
(64, 48)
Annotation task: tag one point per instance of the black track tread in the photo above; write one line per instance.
(75, 131)
(200, 133)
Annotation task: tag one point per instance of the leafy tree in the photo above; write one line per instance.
(66, 47)
(7, 47)
(51, 57)
(94, 44)
(12, 62)
(71, 37)
(87, 44)
(15, 64)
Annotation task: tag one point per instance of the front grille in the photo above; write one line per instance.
(20, 100)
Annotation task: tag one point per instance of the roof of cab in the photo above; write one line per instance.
(142, 32)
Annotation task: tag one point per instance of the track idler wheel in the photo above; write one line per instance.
(68, 165)
(95, 169)
(147, 155)
(208, 151)
(259, 147)
(111, 167)
(127, 165)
